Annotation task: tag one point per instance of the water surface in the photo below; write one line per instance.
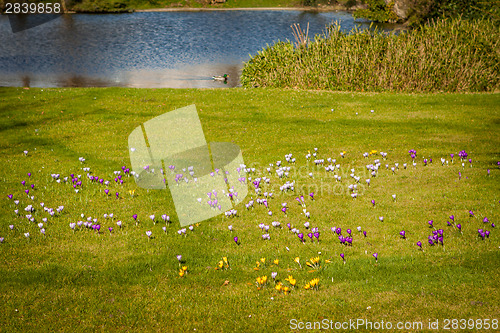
(148, 49)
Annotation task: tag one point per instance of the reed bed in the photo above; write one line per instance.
(446, 55)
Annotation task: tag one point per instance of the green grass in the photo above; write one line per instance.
(446, 55)
(84, 281)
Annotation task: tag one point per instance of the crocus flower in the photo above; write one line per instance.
(179, 258)
(316, 234)
(149, 233)
(364, 233)
(1, 239)
(493, 225)
(373, 202)
(273, 275)
(230, 227)
(311, 195)
(459, 226)
(349, 231)
(301, 236)
(342, 256)
(471, 213)
(236, 239)
(431, 223)
(403, 234)
(110, 229)
(375, 255)
(119, 223)
(419, 244)
(310, 235)
(106, 191)
(381, 219)
(485, 220)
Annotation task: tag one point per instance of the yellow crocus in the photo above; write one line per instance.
(307, 286)
(184, 268)
(263, 260)
(264, 279)
(285, 290)
(297, 260)
(225, 260)
(276, 261)
(220, 264)
(181, 273)
(309, 264)
(292, 282)
(278, 286)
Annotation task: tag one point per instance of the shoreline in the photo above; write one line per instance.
(298, 8)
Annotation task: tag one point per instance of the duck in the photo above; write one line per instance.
(220, 78)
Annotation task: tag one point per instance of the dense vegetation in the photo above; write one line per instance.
(446, 55)
(421, 11)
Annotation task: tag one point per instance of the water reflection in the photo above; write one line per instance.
(154, 49)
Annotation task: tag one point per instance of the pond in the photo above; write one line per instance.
(180, 49)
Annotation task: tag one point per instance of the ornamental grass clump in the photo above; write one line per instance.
(446, 55)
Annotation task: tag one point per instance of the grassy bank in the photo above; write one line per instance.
(448, 55)
(82, 280)
(130, 5)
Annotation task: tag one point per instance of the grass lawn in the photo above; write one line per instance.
(84, 280)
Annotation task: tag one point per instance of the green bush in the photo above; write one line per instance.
(446, 55)
(377, 11)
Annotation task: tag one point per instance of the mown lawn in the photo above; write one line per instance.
(121, 280)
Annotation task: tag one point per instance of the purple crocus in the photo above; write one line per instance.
(403, 234)
(110, 229)
(301, 236)
(311, 195)
(289, 226)
(236, 239)
(471, 213)
(459, 226)
(349, 231)
(431, 223)
(316, 234)
(419, 244)
(364, 233)
(373, 202)
(149, 233)
(342, 256)
(493, 225)
(10, 196)
(106, 191)
(135, 216)
(485, 220)
(375, 255)
(338, 231)
(310, 235)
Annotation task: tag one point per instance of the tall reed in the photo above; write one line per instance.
(446, 55)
